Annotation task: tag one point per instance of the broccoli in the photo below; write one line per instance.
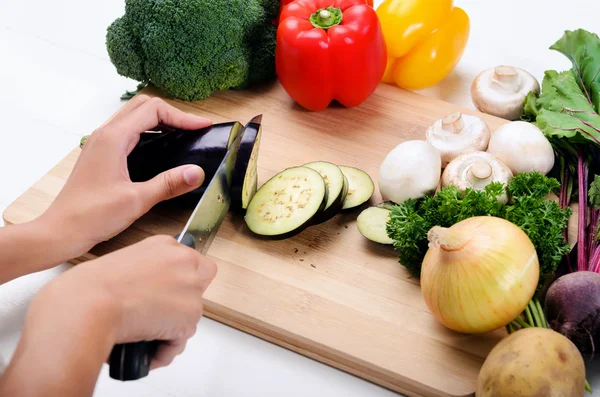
(192, 48)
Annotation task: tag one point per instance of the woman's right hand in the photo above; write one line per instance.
(151, 290)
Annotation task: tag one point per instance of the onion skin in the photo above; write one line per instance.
(573, 309)
(479, 274)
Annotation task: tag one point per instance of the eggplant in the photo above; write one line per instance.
(337, 188)
(287, 203)
(245, 176)
(372, 223)
(360, 187)
(157, 152)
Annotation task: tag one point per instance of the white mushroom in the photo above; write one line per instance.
(411, 170)
(522, 147)
(476, 170)
(500, 91)
(458, 134)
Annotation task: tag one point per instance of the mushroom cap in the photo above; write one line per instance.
(411, 170)
(500, 91)
(458, 134)
(476, 170)
(523, 147)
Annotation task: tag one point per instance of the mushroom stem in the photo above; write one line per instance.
(453, 123)
(481, 170)
(507, 77)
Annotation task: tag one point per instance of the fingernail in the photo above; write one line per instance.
(192, 175)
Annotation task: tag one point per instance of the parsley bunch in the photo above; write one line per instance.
(542, 220)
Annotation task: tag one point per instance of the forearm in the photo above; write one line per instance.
(31, 247)
(64, 344)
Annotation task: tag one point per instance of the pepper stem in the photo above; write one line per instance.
(325, 18)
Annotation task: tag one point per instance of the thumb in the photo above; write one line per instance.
(172, 183)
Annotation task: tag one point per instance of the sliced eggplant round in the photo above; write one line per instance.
(157, 152)
(372, 223)
(287, 203)
(388, 205)
(360, 187)
(245, 177)
(337, 188)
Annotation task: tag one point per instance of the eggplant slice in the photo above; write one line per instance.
(372, 223)
(245, 177)
(337, 188)
(360, 187)
(287, 203)
(388, 205)
(162, 151)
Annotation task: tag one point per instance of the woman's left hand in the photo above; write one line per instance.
(99, 200)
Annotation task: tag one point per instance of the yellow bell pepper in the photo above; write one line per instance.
(425, 39)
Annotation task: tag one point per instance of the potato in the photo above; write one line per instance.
(533, 362)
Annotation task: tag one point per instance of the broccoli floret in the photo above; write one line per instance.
(262, 67)
(192, 48)
(124, 48)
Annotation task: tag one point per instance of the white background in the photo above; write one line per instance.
(57, 84)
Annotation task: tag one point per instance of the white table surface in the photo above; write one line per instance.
(57, 84)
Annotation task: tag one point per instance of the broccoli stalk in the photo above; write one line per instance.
(192, 48)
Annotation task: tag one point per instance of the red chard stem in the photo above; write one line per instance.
(582, 262)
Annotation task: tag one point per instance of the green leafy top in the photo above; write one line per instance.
(567, 109)
(594, 192)
(583, 50)
(541, 219)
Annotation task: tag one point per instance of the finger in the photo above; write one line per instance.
(170, 184)
(156, 111)
(207, 270)
(129, 107)
(167, 351)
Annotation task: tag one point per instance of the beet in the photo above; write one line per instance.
(573, 309)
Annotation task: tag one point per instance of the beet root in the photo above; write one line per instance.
(573, 309)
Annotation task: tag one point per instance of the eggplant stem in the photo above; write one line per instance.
(522, 323)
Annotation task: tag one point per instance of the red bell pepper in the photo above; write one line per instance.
(329, 50)
(286, 2)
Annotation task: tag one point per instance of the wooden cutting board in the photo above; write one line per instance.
(327, 293)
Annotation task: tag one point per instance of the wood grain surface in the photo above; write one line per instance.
(327, 293)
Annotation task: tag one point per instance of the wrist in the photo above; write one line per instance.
(61, 237)
(83, 305)
(69, 332)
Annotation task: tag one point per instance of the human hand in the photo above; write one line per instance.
(99, 200)
(148, 291)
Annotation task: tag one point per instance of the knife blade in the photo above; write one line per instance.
(131, 361)
(212, 208)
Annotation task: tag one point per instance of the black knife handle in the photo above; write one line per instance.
(131, 361)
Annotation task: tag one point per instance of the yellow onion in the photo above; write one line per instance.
(479, 274)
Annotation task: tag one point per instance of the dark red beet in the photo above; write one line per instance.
(573, 309)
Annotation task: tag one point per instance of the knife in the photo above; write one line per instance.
(131, 361)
